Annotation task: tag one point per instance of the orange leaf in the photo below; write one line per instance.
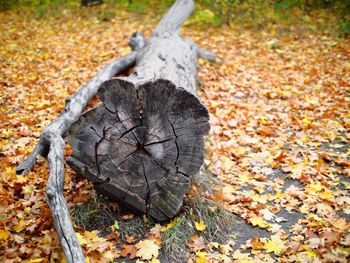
(128, 250)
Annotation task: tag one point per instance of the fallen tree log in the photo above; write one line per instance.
(144, 142)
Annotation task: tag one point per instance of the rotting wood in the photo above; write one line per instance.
(145, 88)
(146, 138)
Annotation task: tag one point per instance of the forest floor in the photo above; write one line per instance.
(278, 147)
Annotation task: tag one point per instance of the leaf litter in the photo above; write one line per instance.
(278, 145)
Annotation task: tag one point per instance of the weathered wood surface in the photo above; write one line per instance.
(143, 144)
(51, 143)
(76, 104)
(137, 131)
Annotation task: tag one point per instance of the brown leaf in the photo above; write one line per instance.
(128, 250)
(197, 243)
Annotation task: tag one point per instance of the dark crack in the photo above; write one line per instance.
(130, 130)
(177, 146)
(96, 154)
(127, 192)
(148, 194)
(152, 143)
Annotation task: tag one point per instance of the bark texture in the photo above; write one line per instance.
(51, 143)
(144, 142)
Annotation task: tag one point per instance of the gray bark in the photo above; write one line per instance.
(76, 104)
(143, 143)
(51, 142)
(146, 139)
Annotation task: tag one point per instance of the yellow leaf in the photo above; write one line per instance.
(63, 258)
(316, 187)
(327, 195)
(304, 210)
(110, 255)
(279, 195)
(20, 226)
(87, 260)
(310, 253)
(259, 221)
(275, 245)
(81, 239)
(241, 150)
(147, 249)
(201, 257)
(225, 249)
(27, 189)
(341, 224)
(200, 226)
(242, 257)
(35, 260)
(3, 235)
(155, 260)
(172, 223)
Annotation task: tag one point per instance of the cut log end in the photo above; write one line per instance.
(142, 145)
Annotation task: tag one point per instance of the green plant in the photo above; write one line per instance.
(175, 239)
(137, 7)
(135, 227)
(8, 4)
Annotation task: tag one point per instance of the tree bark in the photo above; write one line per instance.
(51, 142)
(143, 144)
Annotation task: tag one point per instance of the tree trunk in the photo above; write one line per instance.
(144, 142)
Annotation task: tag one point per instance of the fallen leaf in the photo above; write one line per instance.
(200, 226)
(275, 245)
(128, 250)
(147, 249)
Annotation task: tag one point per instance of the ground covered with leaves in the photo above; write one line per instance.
(277, 156)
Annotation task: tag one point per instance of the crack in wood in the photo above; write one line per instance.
(152, 143)
(148, 193)
(177, 146)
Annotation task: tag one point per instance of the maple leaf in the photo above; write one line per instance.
(172, 223)
(20, 226)
(200, 226)
(109, 255)
(256, 243)
(259, 221)
(147, 249)
(275, 245)
(201, 257)
(99, 246)
(81, 239)
(225, 249)
(35, 260)
(291, 247)
(242, 257)
(156, 231)
(197, 243)
(3, 235)
(341, 224)
(128, 250)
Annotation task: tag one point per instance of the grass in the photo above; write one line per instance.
(282, 19)
(100, 214)
(220, 223)
(135, 227)
(176, 238)
(96, 214)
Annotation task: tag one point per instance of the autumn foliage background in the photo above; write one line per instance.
(279, 114)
